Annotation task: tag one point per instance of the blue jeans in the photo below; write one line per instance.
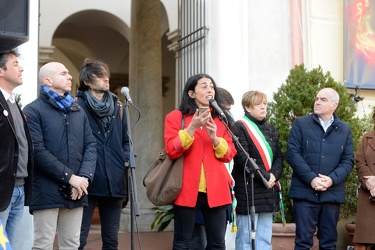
(263, 227)
(11, 217)
(27, 232)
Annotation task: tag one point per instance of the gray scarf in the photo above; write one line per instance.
(103, 109)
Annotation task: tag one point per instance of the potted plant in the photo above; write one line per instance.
(163, 216)
(296, 98)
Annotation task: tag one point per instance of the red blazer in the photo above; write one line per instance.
(218, 180)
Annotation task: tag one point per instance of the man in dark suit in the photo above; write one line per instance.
(16, 161)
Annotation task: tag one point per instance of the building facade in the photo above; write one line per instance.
(153, 46)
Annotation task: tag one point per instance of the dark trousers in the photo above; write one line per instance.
(311, 216)
(110, 213)
(214, 219)
(199, 240)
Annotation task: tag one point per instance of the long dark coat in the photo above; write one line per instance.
(365, 166)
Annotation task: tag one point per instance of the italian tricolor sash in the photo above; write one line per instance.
(265, 152)
(260, 142)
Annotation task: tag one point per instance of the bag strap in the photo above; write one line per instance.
(182, 121)
(161, 153)
(121, 108)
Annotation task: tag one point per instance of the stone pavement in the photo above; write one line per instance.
(142, 241)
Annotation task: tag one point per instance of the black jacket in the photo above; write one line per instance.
(266, 200)
(113, 151)
(64, 145)
(9, 156)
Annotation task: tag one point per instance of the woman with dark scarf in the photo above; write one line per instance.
(109, 126)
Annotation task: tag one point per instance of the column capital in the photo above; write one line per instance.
(45, 54)
(173, 37)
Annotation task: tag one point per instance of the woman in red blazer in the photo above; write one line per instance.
(205, 145)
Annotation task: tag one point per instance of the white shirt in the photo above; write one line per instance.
(328, 123)
(12, 97)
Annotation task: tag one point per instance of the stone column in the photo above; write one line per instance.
(145, 84)
(45, 55)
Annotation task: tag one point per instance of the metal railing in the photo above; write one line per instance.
(191, 44)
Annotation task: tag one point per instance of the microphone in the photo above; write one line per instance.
(215, 106)
(125, 92)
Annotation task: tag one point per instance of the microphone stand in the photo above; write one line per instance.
(134, 210)
(255, 168)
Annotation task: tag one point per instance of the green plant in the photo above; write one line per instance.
(163, 216)
(296, 98)
(18, 100)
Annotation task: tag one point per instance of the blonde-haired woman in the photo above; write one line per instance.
(260, 141)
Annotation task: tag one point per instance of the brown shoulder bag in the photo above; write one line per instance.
(163, 181)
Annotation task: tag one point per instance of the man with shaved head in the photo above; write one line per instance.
(65, 159)
(320, 151)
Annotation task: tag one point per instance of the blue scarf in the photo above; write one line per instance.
(63, 102)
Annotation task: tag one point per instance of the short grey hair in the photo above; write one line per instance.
(335, 97)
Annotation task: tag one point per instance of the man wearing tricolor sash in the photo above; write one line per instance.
(260, 142)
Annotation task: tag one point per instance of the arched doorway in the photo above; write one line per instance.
(105, 36)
